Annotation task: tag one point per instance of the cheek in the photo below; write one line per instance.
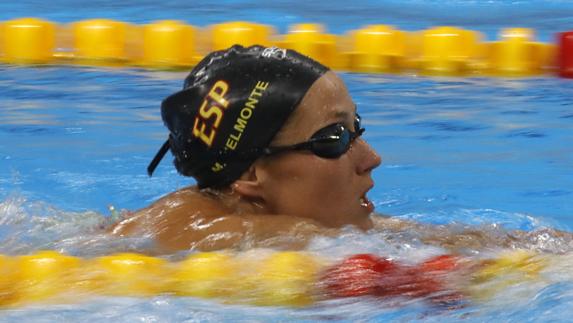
(331, 178)
(306, 181)
(311, 171)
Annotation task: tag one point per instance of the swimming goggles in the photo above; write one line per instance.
(329, 142)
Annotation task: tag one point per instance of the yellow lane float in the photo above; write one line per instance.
(450, 51)
(286, 278)
(8, 277)
(243, 33)
(282, 278)
(516, 53)
(46, 275)
(28, 41)
(310, 39)
(127, 274)
(170, 43)
(104, 42)
(508, 269)
(440, 50)
(375, 49)
(206, 275)
(271, 279)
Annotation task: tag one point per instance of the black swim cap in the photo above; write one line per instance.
(233, 101)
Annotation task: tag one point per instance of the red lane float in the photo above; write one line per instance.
(565, 54)
(441, 264)
(366, 274)
(357, 275)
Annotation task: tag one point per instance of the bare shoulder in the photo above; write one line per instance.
(388, 223)
(192, 219)
(170, 209)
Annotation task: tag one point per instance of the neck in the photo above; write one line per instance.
(234, 203)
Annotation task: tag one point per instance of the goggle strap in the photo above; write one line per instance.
(157, 159)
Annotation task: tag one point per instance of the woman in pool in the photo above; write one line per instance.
(273, 140)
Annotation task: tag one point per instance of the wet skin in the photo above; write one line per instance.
(281, 200)
(285, 200)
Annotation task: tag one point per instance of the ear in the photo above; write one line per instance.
(249, 185)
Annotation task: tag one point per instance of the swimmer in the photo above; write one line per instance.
(273, 140)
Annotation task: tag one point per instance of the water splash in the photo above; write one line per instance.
(27, 226)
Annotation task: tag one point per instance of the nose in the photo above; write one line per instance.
(366, 157)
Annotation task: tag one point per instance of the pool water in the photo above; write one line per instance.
(488, 153)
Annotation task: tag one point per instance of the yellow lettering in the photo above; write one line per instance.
(240, 125)
(251, 102)
(218, 91)
(207, 111)
(231, 144)
(235, 137)
(200, 132)
(254, 92)
(262, 85)
(217, 167)
(210, 109)
(246, 113)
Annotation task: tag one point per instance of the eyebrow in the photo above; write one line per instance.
(341, 114)
(344, 114)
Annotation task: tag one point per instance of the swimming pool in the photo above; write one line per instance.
(475, 151)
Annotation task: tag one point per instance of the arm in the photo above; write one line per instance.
(456, 238)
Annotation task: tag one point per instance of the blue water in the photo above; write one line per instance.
(80, 139)
(478, 151)
(487, 16)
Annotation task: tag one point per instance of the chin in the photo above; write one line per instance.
(360, 220)
(365, 222)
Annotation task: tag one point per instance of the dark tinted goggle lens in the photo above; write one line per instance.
(333, 141)
(329, 142)
(358, 125)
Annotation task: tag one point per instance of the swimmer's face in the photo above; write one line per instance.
(330, 191)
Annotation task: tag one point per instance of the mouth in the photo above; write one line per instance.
(365, 202)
